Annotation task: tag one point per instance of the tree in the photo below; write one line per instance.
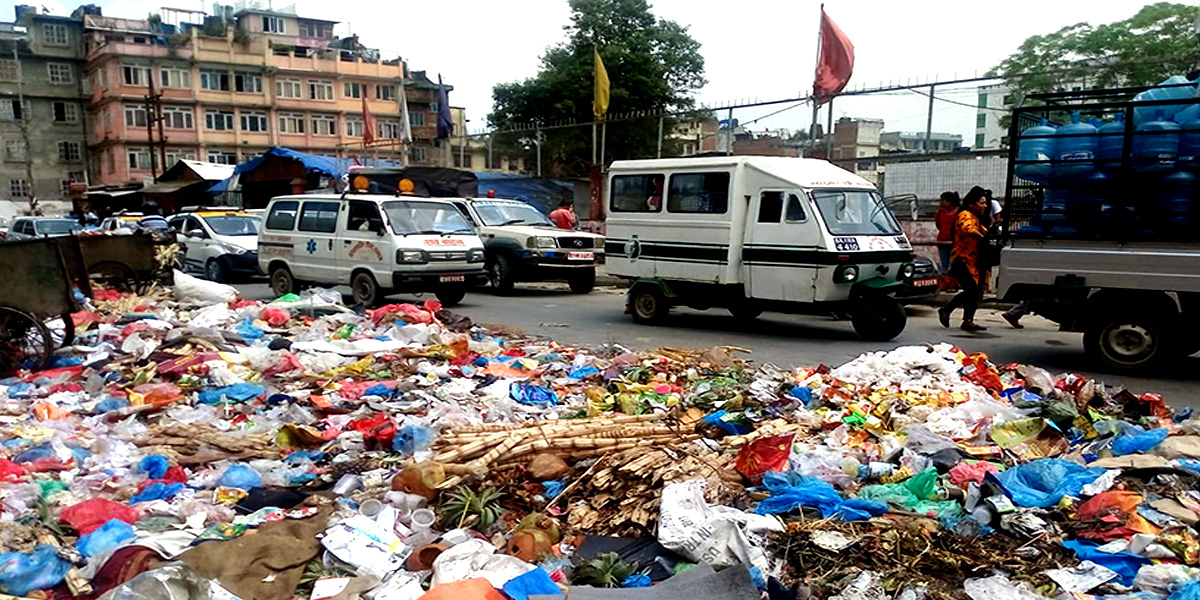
(1157, 42)
(653, 64)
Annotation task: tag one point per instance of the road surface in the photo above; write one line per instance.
(789, 340)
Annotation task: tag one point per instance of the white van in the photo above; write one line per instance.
(376, 244)
(753, 233)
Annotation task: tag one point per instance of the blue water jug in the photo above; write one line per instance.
(1035, 152)
(1155, 146)
(1110, 144)
(1075, 150)
(1175, 199)
(1094, 197)
(1175, 87)
(1189, 144)
(1055, 201)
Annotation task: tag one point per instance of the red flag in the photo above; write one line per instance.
(836, 62)
(368, 122)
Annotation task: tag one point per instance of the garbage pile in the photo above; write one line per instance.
(190, 445)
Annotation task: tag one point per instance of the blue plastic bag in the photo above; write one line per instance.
(1134, 440)
(1044, 482)
(1187, 591)
(241, 477)
(1125, 564)
(637, 580)
(582, 372)
(412, 439)
(551, 489)
(727, 423)
(157, 491)
(238, 392)
(110, 404)
(532, 583)
(378, 390)
(248, 331)
(533, 395)
(803, 394)
(108, 536)
(154, 466)
(42, 569)
(792, 490)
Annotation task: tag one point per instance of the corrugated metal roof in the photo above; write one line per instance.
(209, 171)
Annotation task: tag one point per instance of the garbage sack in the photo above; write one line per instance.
(790, 491)
(1125, 564)
(476, 558)
(107, 537)
(22, 573)
(1044, 482)
(1189, 591)
(89, 515)
(199, 291)
(720, 536)
(172, 582)
(1135, 440)
(533, 395)
(241, 477)
(999, 587)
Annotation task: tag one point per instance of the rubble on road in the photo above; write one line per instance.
(190, 445)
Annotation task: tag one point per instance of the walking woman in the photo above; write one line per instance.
(969, 233)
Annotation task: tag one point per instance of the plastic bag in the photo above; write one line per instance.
(154, 466)
(241, 477)
(276, 317)
(157, 490)
(971, 472)
(1124, 563)
(917, 493)
(790, 491)
(90, 514)
(1135, 440)
(999, 587)
(1189, 591)
(238, 392)
(1044, 482)
(191, 289)
(533, 395)
(412, 439)
(42, 569)
(107, 537)
(763, 455)
(1163, 579)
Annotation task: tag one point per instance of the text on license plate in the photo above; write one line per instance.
(925, 282)
(452, 278)
(580, 256)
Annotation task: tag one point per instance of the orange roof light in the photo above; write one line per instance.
(360, 183)
(406, 186)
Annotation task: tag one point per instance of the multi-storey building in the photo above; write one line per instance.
(42, 110)
(240, 82)
(916, 141)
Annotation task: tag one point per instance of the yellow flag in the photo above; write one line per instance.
(600, 104)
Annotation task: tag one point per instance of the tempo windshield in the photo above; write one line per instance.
(497, 214)
(855, 212)
(425, 218)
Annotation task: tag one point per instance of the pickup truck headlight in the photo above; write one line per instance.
(476, 256)
(542, 242)
(411, 257)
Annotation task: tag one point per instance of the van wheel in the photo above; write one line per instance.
(583, 281)
(451, 296)
(1127, 341)
(365, 290)
(215, 271)
(648, 305)
(501, 275)
(745, 311)
(282, 282)
(877, 317)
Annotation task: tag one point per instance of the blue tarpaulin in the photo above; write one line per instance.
(325, 165)
(543, 194)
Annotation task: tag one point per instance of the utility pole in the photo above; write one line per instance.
(660, 134)
(929, 122)
(154, 113)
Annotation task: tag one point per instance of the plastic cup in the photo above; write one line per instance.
(347, 485)
(370, 508)
(422, 520)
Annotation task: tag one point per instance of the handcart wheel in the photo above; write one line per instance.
(114, 275)
(22, 338)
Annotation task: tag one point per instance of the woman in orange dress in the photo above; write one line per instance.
(969, 233)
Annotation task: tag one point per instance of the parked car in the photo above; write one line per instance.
(3, 228)
(121, 221)
(222, 244)
(26, 228)
(924, 283)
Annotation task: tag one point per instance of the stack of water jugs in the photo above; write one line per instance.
(1080, 165)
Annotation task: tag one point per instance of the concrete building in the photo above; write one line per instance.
(905, 141)
(241, 81)
(768, 145)
(695, 137)
(42, 111)
(990, 134)
(856, 138)
(472, 153)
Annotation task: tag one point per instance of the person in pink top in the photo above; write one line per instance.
(564, 216)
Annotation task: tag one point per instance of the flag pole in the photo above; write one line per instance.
(812, 131)
(595, 51)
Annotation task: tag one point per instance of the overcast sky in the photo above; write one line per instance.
(762, 49)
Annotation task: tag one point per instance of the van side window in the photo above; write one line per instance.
(364, 216)
(698, 193)
(283, 216)
(770, 207)
(636, 193)
(795, 210)
(319, 217)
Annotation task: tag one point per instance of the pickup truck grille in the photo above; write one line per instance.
(574, 242)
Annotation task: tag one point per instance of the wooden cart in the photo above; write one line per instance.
(38, 285)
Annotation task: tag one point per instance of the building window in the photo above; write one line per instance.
(351, 89)
(1009, 100)
(177, 117)
(68, 152)
(273, 24)
(354, 127)
(14, 110)
(247, 83)
(55, 35)
(102, 77)
(981, 120)
(14, 150)
(324, 125)
(983, 99)
(286, 87)
(214, 80)
(176, 78)
(385, 92)
(176, 155)
(433, 107)
(64, 186)
(135, 75)
(18, 188)
(418, 155)
(389, 130)
(139, 159)
(222, 157)
(65, 112)
(254, 121)
(110, 159)
(135, 116)
(416, 118)
(60, 73)
(311, 29)
(980, 140)
(8, 70)
(319, 89)
(291, 123)
(218, 120)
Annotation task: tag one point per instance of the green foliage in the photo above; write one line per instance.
(606, 570)
(653, 65)
(464, 503)
(1157, 42)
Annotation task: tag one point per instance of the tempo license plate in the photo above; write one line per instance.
(581, 256)
(452, 278)
(925, 282)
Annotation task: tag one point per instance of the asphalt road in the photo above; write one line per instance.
(790, 340)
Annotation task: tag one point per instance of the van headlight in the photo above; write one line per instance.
(845, 274)
(411, 256)
(907, 270)
(475, 255)
(542, 242)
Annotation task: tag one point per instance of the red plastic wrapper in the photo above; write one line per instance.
(89, 515)
(243, 304)
(68, 372)
(379, 429)
(276, 317)
(408, 313)
(101, 295)
(1116, 514)
(977, 369)
(11, 471)
(84, 319)
(766, 454)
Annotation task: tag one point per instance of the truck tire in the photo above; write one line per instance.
(877, 317)
(582, 281)
(1127, 341)
(502, 274)
(451, 296)
(745, 311)
(648, 305)
(282, 281)
(365, 290)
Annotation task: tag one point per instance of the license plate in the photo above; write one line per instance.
(452, 278)
(580, 256)
(925, 282)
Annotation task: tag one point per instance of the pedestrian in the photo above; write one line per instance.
(1014, 314)
(945, 226)
(995, 214)
(969, 233)
(564, 216)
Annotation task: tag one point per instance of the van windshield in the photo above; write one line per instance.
(425, 218)
(855, 212)
(499, 214)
